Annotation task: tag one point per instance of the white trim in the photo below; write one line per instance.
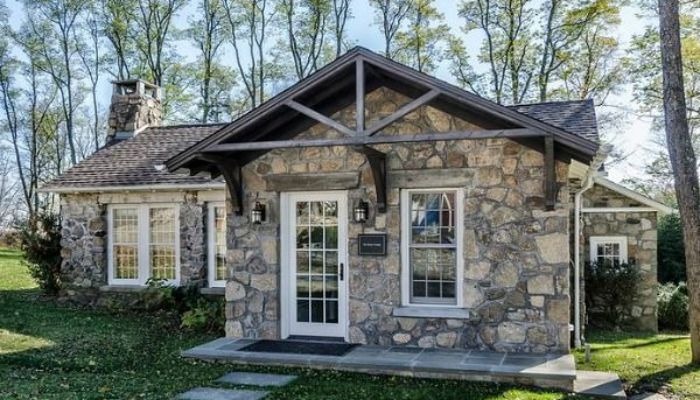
(459, 235)
(289, 326)
(616, 187)
(134, 188)
(618, 209)
(143, 222)
(594, 241)
(211, 245)
(587, 184)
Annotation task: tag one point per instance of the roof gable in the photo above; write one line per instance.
(333, 87)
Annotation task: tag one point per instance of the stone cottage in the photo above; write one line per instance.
(369, 202)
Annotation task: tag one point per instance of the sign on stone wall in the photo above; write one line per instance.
(371, 244)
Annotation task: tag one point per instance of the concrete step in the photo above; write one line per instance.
(599, 384)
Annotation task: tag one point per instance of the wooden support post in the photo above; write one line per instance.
(377, 163)
(233, 174)
(550, 181)
(359, 96)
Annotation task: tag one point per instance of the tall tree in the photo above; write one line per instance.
(215, 80)
(547, 50)
(250, 23)
(507, 49)
(390, 18)
(92, 63)
(420, 44)
(683, 161)
(55, 24)
(116, 19)
(154, 35)
(307, 23)
(341, 14)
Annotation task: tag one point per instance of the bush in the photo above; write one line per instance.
(672, 301)
(40, 240)
(671, 255)
(611, 290)
(205, 315)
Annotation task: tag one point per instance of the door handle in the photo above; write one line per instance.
(342, 271)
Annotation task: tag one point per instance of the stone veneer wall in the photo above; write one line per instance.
(84, 239)
(640, 230)
(516, 254)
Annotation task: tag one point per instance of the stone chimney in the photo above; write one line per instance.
(135, 106)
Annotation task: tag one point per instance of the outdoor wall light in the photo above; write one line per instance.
(360, 212)
(257, 214)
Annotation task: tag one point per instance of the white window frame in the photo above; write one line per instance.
(405, 247)
(594, 241)
(211, 244)
(143, 221)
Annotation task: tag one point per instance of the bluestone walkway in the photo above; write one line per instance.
(545, 370)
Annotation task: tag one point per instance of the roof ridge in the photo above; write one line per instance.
(551, 102)
(189, 125)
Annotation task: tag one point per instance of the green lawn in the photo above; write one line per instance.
(54, 352)
(646, 363)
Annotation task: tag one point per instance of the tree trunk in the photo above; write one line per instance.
(682, 157)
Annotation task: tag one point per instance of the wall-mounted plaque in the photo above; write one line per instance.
(371, 244)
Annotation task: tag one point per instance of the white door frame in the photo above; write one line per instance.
(288, 251)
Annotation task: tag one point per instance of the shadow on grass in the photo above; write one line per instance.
(654, 381)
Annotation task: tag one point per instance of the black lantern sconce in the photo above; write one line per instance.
(361, 212)
(257, 214)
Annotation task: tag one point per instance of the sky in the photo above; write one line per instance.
(633, 137)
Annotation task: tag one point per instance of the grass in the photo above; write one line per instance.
(55, 352)
(645, 362)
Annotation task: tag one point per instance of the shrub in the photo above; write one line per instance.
(611, 291)
(205, 315)
(40, 240)
(672, 301)
(671, 255)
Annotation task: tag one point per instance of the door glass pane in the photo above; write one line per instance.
(317, 261)
(317, 311)
(303, 310)
(331, 311)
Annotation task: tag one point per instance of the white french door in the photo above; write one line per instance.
(314, 264)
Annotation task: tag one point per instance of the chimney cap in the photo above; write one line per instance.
(135, 87)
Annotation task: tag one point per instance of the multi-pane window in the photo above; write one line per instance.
(217, 244)
(608, 250)
(162, 242)
(144, 244)
(125, 243)
(433, 244)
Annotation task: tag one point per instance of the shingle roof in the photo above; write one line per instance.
(577, 116)
(134, 161)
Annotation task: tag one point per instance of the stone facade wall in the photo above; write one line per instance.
(516, 271)
(84, 239)
(640, 230)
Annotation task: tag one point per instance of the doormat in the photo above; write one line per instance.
(299, 347)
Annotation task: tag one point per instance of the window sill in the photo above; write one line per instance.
(430, 312)
(123, 288)
(213, 291)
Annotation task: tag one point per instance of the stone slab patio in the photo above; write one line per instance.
(552, 370)
(599, 384)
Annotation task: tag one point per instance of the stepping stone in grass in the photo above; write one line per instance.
(256, 379)
(204, 393)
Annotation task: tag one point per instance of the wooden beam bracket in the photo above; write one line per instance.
(550, 182)
(313, 114)
(377, 163)
(233, 175)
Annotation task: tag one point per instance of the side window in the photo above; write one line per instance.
(216, 245)
(610, 250)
